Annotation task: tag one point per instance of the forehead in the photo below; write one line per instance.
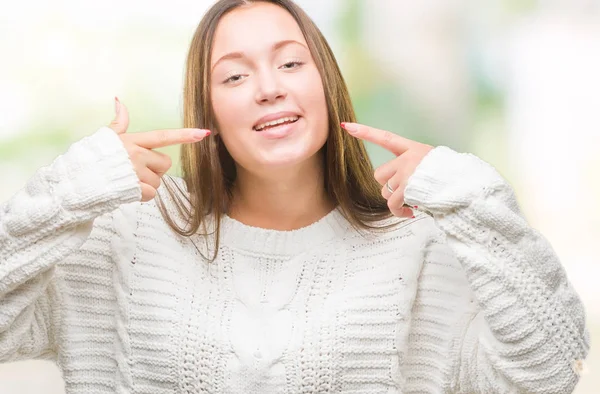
(254, 28)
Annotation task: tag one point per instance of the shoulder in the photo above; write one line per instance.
(419, 230)
(402, 248)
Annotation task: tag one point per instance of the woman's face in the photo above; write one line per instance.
(267, 93)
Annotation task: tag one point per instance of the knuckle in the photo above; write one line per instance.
(148, 194)
(168, 162)
(114, 125)
(387, 137)
(135, 152)
(144, 175)
(153, 180)
(378, 175)
(163, 137)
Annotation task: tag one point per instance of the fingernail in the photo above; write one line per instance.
(351, 127)
(201, 133)
(416, 207)
(413, 217)
(117, 106)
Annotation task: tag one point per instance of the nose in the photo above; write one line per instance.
(269, 88)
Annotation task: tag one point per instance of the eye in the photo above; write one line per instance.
(233, 78)
(292, 64)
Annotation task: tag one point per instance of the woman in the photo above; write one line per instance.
(280, 263)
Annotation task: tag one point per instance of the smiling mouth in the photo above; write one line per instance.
(275, 123)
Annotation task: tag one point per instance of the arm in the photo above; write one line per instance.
(42, 224)
(526, 332)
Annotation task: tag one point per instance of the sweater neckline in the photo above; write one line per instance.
(283, 242)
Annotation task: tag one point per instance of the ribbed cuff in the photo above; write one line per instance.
(446, 180)
(95, 171)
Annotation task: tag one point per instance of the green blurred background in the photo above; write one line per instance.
(515, 82)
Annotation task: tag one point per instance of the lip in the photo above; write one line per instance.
(274, 116)
(279, 132)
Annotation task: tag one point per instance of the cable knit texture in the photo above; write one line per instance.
(464, 298)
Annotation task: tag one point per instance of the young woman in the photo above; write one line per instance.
(279, 263)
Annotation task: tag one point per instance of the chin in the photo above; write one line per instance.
(285, 159)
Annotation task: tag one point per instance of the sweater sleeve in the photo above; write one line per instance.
(42, 224)
(518, 324)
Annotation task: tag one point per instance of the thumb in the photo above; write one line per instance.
(121, 120)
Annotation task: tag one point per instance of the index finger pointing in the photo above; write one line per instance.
(386, 139)
(161, 138)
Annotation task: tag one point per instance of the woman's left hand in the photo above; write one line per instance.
(394, 173)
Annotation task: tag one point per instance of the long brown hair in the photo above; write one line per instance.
(208, 169)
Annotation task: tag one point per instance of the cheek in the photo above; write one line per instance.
(234, 107)
(233, 111)
(313, 87)
(225, 105)
(313, 97)
(321, 115)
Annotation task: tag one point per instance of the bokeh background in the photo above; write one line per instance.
(516, 82)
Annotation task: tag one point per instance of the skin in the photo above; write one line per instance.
(279, 182)
(150, 165)
(397, 171)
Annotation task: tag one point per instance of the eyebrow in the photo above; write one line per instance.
(239, 55)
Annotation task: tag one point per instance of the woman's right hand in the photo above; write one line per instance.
(150, 165)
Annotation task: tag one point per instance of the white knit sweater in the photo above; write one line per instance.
(465, 298)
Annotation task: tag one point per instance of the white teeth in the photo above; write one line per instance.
(276, 122)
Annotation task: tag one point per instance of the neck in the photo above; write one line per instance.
(287, 201)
